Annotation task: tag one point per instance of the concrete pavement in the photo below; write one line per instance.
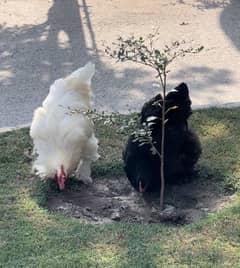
(42, 40)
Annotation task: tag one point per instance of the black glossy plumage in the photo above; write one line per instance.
(182, 145)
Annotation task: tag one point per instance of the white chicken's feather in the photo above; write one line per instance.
(59, 137)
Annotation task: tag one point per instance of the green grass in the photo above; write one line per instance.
(30, 236)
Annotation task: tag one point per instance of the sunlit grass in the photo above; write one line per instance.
(31, 236)
(107, 255)
(29, 208)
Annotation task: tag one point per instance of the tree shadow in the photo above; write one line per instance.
(205, 4)
(229, 18)
(230, 22)
(207, 83)
(33, 56)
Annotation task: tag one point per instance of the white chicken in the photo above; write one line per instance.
(64, 142)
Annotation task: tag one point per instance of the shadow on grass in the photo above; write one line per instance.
(31, 236)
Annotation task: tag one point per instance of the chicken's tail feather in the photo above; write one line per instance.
(85, 73)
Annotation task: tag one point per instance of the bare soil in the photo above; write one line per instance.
(110, 200)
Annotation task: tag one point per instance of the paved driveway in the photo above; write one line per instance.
(41, 40)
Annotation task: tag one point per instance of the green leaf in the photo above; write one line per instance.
(171, 108)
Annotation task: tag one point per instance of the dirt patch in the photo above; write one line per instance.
(111, 200)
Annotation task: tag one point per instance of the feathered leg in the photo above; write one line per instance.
(83, 172)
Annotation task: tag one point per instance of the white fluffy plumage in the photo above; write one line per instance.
(61, 138)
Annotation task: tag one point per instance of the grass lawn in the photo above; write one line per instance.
(30, 236)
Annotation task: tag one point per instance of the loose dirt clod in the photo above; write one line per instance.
(114, 200)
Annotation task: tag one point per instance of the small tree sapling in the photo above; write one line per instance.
(142, 51)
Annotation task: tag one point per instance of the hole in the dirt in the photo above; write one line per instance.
(110, 200)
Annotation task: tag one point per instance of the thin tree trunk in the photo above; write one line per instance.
(162, 189)
(162, 165)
